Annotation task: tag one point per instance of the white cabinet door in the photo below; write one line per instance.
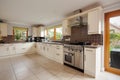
(12, 50)
(58, 53)
(4, 50)
(90, 61)
(3, 29)
(38, 31)
(42, 31)
(21, 48)
(30, 47)
(94, 22)
(66, 28)
(51, 50)
(34, 31)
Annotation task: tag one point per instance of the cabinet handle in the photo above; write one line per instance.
(89, 50)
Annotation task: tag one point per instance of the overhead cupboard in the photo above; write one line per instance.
(3, 29)
(92, 18)
(38, 31)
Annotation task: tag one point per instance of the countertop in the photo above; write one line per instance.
(92, 46)
(57, 43)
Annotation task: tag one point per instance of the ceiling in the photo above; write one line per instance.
(42, 11)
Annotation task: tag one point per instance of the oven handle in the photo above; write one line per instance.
(68, 53)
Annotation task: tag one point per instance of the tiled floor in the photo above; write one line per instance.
(35, 67)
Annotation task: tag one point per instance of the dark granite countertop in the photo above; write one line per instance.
(57, 43)
(92, 46)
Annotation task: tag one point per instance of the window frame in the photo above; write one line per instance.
(54, 27)
(20, 27)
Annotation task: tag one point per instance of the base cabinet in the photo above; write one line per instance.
(17, 49)
(92, 61)
(51, 51)
(4, 50)
(12, 50)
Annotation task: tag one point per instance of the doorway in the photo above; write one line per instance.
(112, 42)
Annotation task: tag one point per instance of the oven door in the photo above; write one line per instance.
(69, 58)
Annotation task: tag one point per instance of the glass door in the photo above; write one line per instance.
(112, 42)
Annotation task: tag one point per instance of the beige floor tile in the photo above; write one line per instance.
(37, 70)
(45, 75)
(36, 67)
(63, 75)
(24, 75)
(7, 75)
(30, 78)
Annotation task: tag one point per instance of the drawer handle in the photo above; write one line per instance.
(89, 50)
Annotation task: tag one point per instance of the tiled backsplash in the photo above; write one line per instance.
(80, 34)
(8, 39)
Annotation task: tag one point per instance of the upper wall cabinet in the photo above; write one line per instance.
(38, 31)
(66, 28)
(94, 21)
(34, 31)
(3, 29)
(92, 18)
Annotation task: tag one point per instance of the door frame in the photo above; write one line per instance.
(107, 43)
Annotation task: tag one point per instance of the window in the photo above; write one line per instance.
(54, 33)
(20, 34)
(58, 33)
(51, 34)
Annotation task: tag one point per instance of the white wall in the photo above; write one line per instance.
(11, 25)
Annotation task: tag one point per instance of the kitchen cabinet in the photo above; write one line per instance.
(4, 50)
(92, 61)
(58, 53)
(38, 31)
(66, 28)
(40, 48)
(94, 21)
(42, 32)
(51, 51)
(3, 29)
(22, 48)
(12, 50)
(17, 49)
(34, 31)
(31, 47)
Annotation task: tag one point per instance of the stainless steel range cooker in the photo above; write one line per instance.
(74, 55)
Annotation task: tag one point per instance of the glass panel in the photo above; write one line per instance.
(68, 58)
(59, 33)
(20, 33)
(115, 42)
(51, 34)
